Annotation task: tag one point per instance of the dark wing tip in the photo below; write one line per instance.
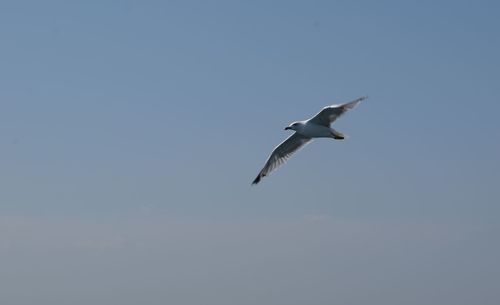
(354, 103)
(362, 98)
(257, 180)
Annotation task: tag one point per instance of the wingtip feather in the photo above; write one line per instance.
(256, 180)
(354, 103)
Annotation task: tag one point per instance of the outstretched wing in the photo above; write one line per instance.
(330, 113)
(281, 153)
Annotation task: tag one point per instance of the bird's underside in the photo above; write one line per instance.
(316, 127)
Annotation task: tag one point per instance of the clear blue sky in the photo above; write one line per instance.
(130, 132)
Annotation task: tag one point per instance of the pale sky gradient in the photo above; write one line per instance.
(130, 132)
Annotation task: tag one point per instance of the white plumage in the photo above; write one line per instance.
(316, 127)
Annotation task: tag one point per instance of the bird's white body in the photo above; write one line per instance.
(311, 130)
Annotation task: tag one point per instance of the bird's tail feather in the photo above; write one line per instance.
(338, 135)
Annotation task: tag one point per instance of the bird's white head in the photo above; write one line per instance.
(295, 126)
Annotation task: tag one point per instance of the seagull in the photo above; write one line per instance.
(316, 127)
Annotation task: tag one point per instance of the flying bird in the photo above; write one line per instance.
(316, 127)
